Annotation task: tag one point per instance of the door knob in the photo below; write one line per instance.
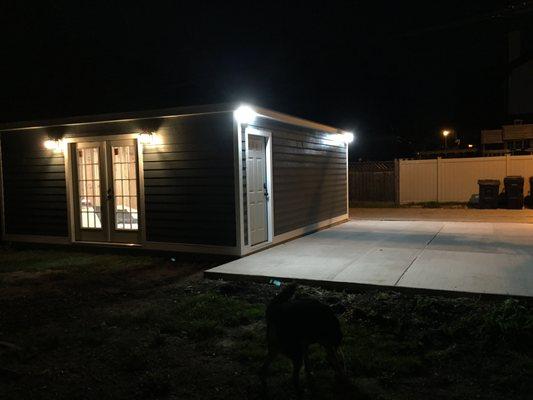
(265, 190)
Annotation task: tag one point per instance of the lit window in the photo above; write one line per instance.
(125, 188)
(89, 188)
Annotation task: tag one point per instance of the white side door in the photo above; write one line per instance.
(257, 189)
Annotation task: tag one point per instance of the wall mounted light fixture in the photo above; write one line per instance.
(147, 138)
(245, 114)
(348, 137)
(56, 145)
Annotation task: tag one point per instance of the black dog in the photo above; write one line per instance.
(294, 324)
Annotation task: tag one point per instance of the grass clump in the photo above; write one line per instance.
(12, 259)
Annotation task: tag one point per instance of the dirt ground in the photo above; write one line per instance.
(87, 325)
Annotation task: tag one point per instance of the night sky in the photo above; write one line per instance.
(394, 72)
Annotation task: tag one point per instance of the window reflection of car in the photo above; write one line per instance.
(90, 215)
(127, 218)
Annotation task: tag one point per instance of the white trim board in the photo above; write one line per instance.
(347, 179)
(178, 247)
(2, 209)
(291, 120)
(239, 197)
(175, 112)
(184, 247)
(192, 248)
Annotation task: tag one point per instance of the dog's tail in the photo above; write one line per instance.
(285, 295)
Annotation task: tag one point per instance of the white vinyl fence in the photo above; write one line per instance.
(455, 179)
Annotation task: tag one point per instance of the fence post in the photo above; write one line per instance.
(507, 164)
(397, 181)
(439, 172)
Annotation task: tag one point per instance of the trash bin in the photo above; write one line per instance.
(514, 192)
(488, 193)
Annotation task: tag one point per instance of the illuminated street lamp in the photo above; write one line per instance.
(445, 133)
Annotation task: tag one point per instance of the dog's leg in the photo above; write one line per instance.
(307, 365)
(335, 362)
(296, 367)
(266, 365)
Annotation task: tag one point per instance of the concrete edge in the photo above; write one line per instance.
(360, 287)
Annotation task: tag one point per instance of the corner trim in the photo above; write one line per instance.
(2, 205)
(239, 213)
(347, 178)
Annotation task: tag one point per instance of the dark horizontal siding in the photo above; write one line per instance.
(189, 179)
(189, 182)
(35, 195)
(309, 176)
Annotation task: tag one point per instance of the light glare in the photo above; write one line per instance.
(53, 144)
(245, 115)
(348, 137)
(146, 138)
(149, 138)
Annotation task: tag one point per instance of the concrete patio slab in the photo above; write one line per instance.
(475, 257)
(383, 266)
(471, 272)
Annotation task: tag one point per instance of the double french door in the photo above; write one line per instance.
(106, 191)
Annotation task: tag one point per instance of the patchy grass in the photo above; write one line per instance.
(69, 261)
(83, 325)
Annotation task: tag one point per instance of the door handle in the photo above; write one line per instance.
(265, 190)
(110, 194)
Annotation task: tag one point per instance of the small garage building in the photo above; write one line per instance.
(223, 179)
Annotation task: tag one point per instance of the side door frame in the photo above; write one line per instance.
(250, 130)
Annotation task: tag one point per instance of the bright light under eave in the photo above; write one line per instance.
(245, 114)
(348, 137)
(55, 145)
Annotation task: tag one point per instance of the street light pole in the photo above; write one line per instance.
(445, 133)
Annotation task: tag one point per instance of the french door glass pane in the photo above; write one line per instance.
(89, 188)
(125, 187)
